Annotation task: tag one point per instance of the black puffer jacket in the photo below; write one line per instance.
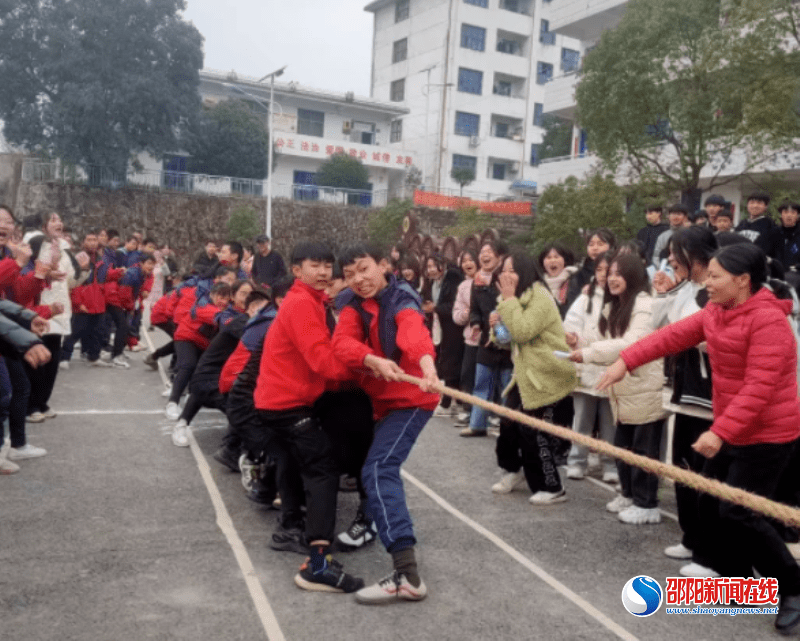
(15, 337)
(483, 302)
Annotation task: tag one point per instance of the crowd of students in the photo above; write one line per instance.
(306, 368)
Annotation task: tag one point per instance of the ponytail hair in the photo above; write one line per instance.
(745, 258)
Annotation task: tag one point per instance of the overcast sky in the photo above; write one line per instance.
(326, 43)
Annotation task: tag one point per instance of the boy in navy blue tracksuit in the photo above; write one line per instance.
(382, 328)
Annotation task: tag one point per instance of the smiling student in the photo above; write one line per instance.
(381, 327)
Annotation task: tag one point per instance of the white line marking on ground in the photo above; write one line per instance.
(264, 610)
(611, 488)
(131, 412)
(559, 587)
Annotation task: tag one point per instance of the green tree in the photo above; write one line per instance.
(384, 226)
(94, 81)
(557, 138)
(244, 225)
(230, 139)
(463, 176)
(470, 221)
(566, 211)
(674, 90)
(343, 171)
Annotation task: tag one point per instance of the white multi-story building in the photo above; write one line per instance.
(472, 74)
(586, 20)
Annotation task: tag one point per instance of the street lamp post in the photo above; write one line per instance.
(271, 77)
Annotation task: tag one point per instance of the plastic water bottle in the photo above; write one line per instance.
(501, 334)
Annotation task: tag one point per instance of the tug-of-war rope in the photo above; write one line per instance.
(760, 504)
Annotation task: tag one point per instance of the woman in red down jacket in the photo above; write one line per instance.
(752, 351)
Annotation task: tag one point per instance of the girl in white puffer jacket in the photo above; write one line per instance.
(591, 407)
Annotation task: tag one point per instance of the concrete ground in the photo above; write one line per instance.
(118, 535)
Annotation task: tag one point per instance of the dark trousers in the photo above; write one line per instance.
(43, 378)
(687, 430)
(119, 317)
(520, 446)
(187, 354)
(213, 399)
(86, 330)
(468, 370)
(298, 435)
(104, 331)
(644, 440)
(169, 348)
(743, 540)
(5, 395)
(18, 408)
(135, 323)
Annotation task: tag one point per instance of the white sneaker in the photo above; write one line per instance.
(6, 466)
(100, 363)
(180, 434)
(250, 472)
(494, 421)
(618, 504)
(25, 452)
(575, 472)
(394, 587)
(612, 478)
(509, 482)
(548, 498)
(679, 551)
(63, 365)
(697, 570)
(121, 362)
(136, 348)
(106, 355)
(173, 411)
(443, 411)
(50, 414)
(462, 418)
(634, 515)
(36, 417)
(794, 549)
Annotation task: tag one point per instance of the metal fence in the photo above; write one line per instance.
(34, 171)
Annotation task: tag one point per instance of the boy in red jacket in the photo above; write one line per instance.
(382, 327)
(297, 366)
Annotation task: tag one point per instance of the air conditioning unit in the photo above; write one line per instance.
(474, 141)
(514, 167)
(347, 125)
(517, 137)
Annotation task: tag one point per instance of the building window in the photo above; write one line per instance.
(501, 130)
(398, 90)
(401, 10)
(465, 162)
(505, 45)
(499, 171)
(467, 124)
(502, 88)
(538, 113)
(570, 60)
(396, 133)
(478, 3)
(544, 73)
(304, 187)
(473, 37)
(545, 37)
(470, 81)
(400, 50)
(310, 123)
(534, 154)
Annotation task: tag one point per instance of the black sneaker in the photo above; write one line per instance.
(151, 362)
(332, 578)
(289, 540)
(361, 531)
(228, 457)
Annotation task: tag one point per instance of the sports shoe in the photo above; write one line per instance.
(494, 421)
(469, 432)
(136, 348)
(49, 413)
(36, 417)
(167, 392)
(121, 362)
(444, 411)
(634, 515)
(361, 531)
(575, 472)
(332, 578)
(63, 365)
(618, 504)
(698, 571)
(463, 418)
(548, 498)
(289, 540)
(25, 452)
(173, 411)
(105, 355)
(180, 434)
(509, 482)
(8, 467)
(679, 551)
(151, 362)
(228, 457)
(788, 614)
(100, 363)
(612, 478)
(395, 587)
(250, 472)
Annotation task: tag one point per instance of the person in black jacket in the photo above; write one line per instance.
(206, 259)
(655, 227)
(784, 245)
(438, 296)
(759, 226)
(268, 266)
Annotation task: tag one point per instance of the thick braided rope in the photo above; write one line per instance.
(779, 511)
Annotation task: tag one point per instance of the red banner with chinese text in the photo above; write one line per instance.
(439, 201)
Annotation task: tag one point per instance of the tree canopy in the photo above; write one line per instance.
(463, 176)
(230, 139)
(344, 171)
(94, 81)
(676, 88)
(557, 137)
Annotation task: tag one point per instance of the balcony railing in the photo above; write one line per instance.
(34, 171)
(547, 38)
